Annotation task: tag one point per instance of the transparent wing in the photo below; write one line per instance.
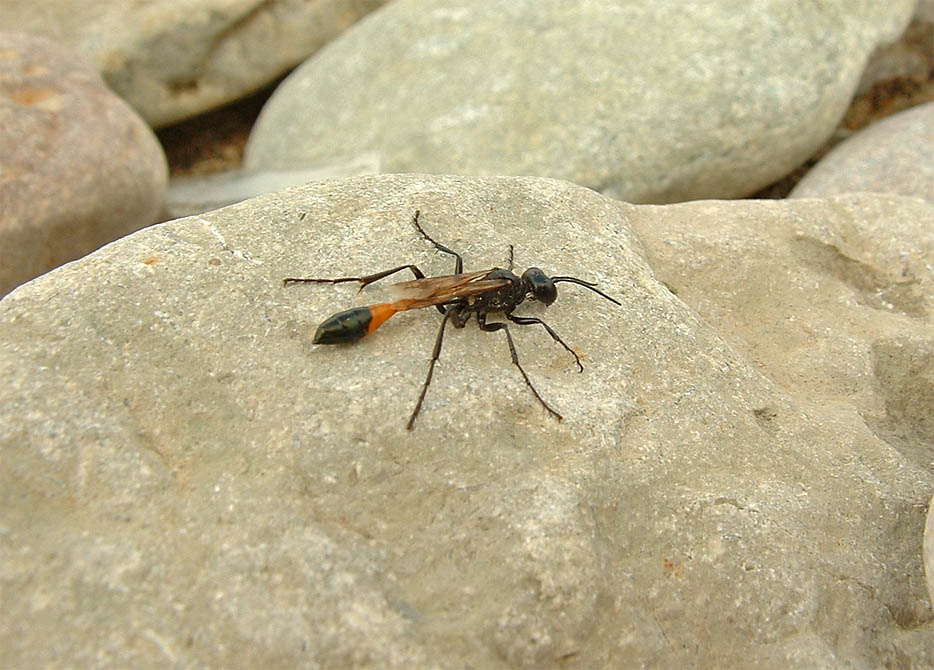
(437, 290)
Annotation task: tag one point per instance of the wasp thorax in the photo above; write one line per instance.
(539, 285)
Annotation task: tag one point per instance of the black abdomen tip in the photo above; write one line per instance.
(347, 326)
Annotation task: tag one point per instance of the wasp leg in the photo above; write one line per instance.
(368, 279)
(510, 258)
(500, 325)
(530, 320)
(436, 354)
(458, 263)
(364, 281)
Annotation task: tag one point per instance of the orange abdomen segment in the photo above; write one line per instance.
(379, 314)
(353, 324)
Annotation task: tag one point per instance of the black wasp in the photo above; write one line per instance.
(457, 297)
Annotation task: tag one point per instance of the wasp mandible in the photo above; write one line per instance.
(457, 297)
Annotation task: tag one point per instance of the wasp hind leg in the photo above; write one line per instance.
(364, 281)
(500, 325)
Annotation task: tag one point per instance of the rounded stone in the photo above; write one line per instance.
(79, 167)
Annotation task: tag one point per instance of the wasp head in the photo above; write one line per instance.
(539, 286)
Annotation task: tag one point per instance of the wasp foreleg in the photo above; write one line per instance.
(530, 320)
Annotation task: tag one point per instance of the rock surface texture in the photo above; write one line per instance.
(895, 155)
(648, 102)
(740, 479)
(78, 168)
(171, 60)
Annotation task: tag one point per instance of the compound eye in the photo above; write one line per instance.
(542, 288)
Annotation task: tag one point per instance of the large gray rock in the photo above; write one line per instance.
(929, 551)
(895, 155)
(649, 102)
(902, 67)
(171, 60)
(925, 10)
(193, 195)
(187, 480)
(78, 168)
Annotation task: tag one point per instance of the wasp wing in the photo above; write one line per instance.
(430, 291)
(428, 286)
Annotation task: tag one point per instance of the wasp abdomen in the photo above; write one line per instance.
(352, 324)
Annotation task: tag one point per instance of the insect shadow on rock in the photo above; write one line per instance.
(457, 297)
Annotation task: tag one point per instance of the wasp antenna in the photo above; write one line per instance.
(582, 282)
(586, 284)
